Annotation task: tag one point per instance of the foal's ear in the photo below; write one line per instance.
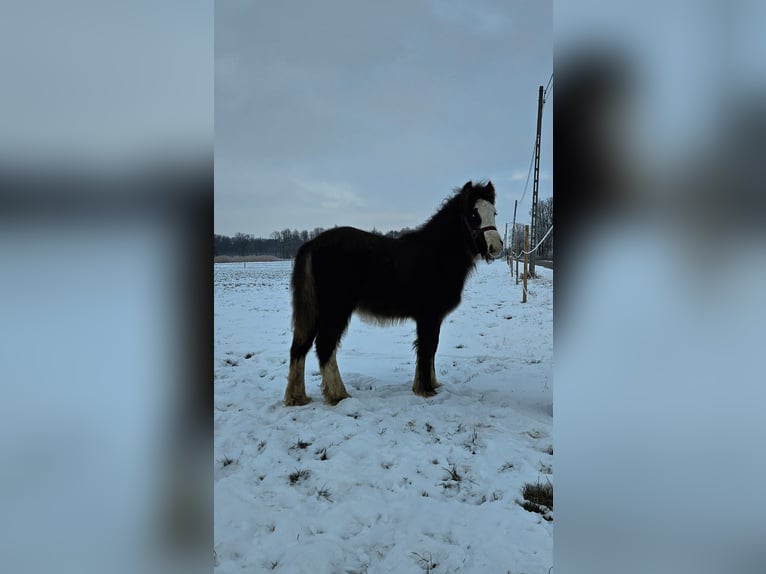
(490, 186)
(468, 186)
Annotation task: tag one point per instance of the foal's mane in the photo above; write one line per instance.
(459, 203)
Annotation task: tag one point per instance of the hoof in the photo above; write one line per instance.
(297, 401)
(335, 400)
(422, 393)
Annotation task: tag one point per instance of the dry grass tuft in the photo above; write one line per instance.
(226, 461)
(298, 475)
(538, 498)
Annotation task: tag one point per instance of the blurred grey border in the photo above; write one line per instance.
(659, 148)
(106, 220)
(105, 226)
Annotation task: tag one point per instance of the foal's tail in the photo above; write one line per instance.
(305, 313)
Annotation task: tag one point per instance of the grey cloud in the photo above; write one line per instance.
(398, 101)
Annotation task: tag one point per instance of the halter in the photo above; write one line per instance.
(474, 232)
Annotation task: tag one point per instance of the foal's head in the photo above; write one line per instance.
(477, 203)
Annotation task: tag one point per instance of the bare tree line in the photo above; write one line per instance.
(285, 244)
(544, 222)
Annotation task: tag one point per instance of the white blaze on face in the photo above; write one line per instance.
(492, 237)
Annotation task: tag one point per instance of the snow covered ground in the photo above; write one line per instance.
(385, 481)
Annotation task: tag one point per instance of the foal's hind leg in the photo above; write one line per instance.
(303, 337)
(328, 338)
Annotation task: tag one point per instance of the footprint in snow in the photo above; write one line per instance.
(361, 383)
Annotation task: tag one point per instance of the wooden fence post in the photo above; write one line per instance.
(526, 261)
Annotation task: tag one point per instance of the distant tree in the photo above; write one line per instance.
(222, 245)
(295, 243)
(399, 232)
(315, 232)
(544, 222)
(283, 246)
(517, 239)
(243, 243)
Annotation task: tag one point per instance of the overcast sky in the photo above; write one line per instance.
(92, 80)
(368, 114)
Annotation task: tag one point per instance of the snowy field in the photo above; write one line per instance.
(385, 481)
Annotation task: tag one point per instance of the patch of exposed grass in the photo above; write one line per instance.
(453, 474)
(538, 498)
(227, 460)
(472, 441)
(301, 444)
(298, 475)
(538, 493)
(324, 492)
(453, 478)
(425, 561)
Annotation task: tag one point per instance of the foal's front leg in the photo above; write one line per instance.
(425, 374)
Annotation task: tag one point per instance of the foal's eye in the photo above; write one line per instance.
(475, 218)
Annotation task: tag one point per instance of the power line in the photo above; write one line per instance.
(531, 162)
(545, 93)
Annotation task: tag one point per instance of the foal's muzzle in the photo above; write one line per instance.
(493, 242)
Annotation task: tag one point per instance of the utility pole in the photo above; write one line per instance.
(535, 186)
(513, 238)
